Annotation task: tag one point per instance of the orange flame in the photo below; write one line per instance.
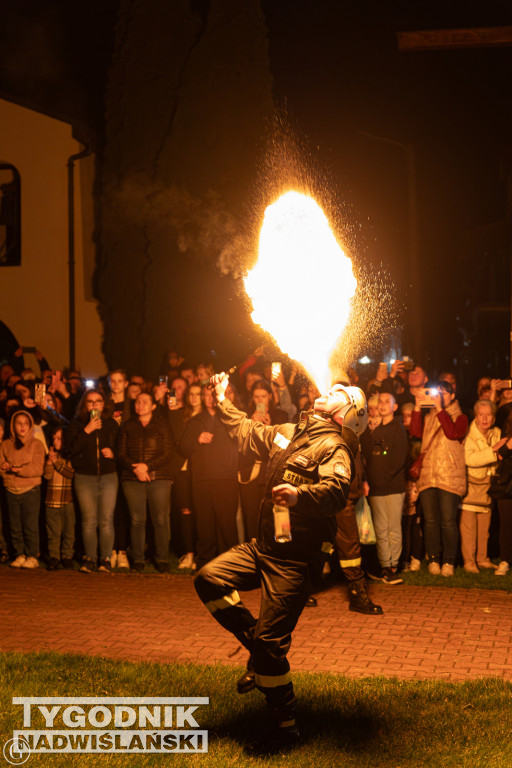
(302, 284)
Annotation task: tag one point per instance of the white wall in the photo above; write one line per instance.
(34, 296)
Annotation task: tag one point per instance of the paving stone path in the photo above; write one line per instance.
(453, 634)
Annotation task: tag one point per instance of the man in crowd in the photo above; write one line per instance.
(385, 453)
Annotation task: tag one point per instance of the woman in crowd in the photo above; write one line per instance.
(480, 450)
(91, 437)
(21, 467)
(252, 473)
(505, 504)
(213, 458)
(442, 481)
(145, 454)
(182, 489)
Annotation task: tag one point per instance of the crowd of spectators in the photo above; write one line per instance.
(83, 464)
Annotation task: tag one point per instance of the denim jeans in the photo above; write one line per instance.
(440, 524)
(156, 494)
(96, 496)
(24, 521)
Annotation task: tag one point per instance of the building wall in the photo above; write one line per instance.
(34, 296)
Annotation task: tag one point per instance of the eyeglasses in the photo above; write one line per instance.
(94, 402)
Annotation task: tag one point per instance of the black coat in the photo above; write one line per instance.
(151, 445)
(217, 460)
(85, 449)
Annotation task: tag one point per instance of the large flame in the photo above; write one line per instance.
(302, 283)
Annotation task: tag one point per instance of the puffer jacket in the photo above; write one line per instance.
(481, 463)
(444, 465)
(150, 444)
(29, 457)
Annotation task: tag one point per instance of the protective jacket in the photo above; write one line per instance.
(313, 456)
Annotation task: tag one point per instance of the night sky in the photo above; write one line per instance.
(339, 75)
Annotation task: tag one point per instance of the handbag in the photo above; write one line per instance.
(415, 468)
(501, 485)
(365, 522)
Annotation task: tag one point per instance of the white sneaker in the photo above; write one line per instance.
(18, 562)
(122, 560)
(415, 564)
(187, 562)
(434, 569)
(447, 569)
(30, 562)
(113, 559)
(502, 569)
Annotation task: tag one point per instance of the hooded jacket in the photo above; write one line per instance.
(29, 456)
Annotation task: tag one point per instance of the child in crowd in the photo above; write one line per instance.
(411, 529)
(21, 467)
(59, 508)
(374, 418)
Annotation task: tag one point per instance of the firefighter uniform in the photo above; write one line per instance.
(316, 457)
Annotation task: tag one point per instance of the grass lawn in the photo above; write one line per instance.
(370, 722)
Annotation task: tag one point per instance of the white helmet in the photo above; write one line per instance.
(346, 406)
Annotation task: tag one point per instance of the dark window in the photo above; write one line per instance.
(10, 216)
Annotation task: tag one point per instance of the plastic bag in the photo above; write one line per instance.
(364, 522)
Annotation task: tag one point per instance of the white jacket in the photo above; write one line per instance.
(481, 463)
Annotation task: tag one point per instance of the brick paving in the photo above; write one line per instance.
(425, 632)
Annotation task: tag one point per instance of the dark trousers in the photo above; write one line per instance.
(60, 528)
(505, 512)
(285, 587)
(348, 546)
(157, 495)
(440, 519)
(251, 495)
(183, 513)
(24, 521)
(412, 536)
(121, 522)
(215, 507)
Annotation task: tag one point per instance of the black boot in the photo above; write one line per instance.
(359, 600)
(281, 735)
(247, 682)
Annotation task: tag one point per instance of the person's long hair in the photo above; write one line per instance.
(82, 414)
(188, 412)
